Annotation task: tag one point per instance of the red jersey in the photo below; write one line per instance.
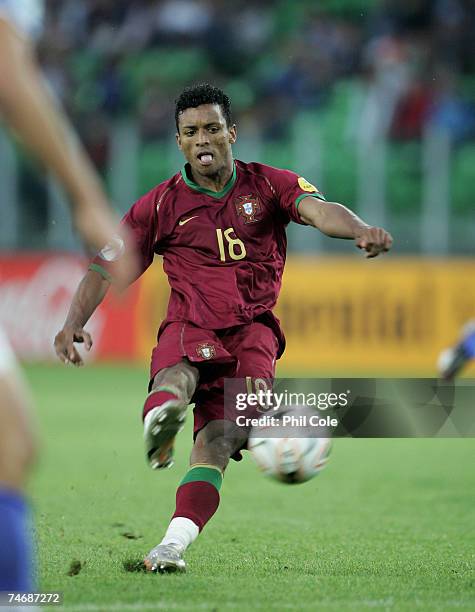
(223, 253)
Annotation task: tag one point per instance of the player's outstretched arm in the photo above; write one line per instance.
(31, 111)
(88, 296)
(337, 221)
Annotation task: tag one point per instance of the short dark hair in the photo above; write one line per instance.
(204, 93)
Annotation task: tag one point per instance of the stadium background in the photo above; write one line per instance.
(373, 101)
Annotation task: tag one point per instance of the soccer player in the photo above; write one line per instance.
(454, 359)
(28, 108)
(220, 226)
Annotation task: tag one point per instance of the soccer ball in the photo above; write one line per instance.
(289, 460)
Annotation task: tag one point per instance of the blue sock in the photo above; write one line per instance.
(468, 344)
(16, 566)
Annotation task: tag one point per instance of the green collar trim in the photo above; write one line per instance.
(215, 194)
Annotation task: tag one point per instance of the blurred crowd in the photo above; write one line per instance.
(415, 59)
(348, 76)
(107, 57)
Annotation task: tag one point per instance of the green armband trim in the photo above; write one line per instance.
(204, 473)
(102, 271)
(319, 196)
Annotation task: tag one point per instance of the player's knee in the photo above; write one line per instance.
(217, 442)
(215, 452)
(222, 446)
(182, 378)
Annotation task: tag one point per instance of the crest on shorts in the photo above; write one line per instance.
(206, 350)
(248, 207)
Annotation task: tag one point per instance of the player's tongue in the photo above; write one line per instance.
(206, 159)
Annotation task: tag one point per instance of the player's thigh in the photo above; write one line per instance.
(216, 442)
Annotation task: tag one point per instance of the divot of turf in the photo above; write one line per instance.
(75, 567)
(134, 565)
(130, 535)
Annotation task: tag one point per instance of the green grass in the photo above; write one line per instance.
(388, 526)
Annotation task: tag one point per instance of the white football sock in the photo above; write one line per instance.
(181, 531)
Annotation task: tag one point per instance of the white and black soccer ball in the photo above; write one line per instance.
(289, 460)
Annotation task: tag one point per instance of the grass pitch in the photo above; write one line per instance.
(389, 525)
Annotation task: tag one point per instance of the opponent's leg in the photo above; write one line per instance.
(197, 497)
(165, 411)
(16, 457)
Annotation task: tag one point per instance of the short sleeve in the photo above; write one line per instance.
(291, 189)
(140, 234)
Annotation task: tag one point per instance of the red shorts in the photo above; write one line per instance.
(241, 351)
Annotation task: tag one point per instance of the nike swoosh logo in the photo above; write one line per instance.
(183, 221)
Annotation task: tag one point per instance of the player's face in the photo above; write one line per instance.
(206, 140)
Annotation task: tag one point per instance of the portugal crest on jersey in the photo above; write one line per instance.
(206, 350)
(248, 207)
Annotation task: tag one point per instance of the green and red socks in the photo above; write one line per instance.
(197, 499)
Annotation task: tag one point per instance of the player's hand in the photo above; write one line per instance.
(374, 240)
(64, 344)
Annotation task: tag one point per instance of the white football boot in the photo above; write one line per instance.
(161, 425)
(165, 559)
